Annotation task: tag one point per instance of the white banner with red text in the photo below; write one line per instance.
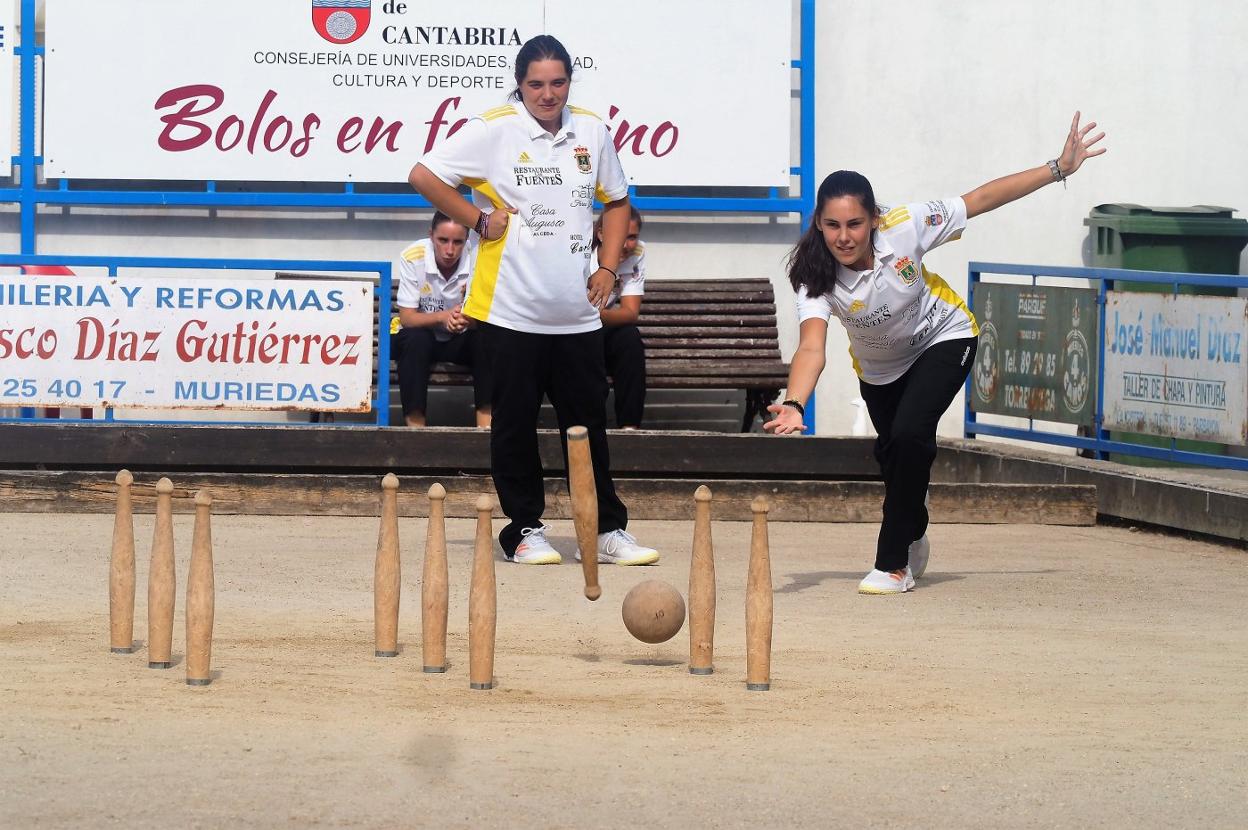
(168, 343)
(696, 93)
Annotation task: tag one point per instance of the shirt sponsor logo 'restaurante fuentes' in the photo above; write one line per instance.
(871, 320)
(538, 176)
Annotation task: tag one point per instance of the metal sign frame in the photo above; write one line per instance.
(29, 195)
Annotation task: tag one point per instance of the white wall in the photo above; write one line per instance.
(928, 100)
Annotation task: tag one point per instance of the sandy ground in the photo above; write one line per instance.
(1039, 677)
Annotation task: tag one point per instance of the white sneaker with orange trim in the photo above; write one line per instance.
(534, 549)
(886, 582)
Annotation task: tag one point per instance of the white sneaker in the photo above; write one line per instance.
(534, 549)
(920, 549)
(619, 547)
(886, 582)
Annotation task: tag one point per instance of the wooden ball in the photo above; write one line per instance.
(653, 611)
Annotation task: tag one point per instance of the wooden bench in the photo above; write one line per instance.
(699, 334)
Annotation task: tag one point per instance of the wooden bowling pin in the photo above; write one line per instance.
(702, 587)
(121, 571)
(434, 585)
(386, 572)
(200, 596)
(758, 602)
(482, 601)
(584, 506)
(160, 582)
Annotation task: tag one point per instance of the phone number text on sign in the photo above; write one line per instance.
(185, 343)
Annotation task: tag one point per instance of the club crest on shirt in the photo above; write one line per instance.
(933, 220)
(907, 270)
(582, 159)
(856, 306)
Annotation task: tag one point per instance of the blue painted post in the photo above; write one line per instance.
(384, 310)
(27, 50)
(1102, 434)
(968, 414)
(806, 168)
(26, 152)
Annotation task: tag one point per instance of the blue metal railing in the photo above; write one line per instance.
(1100, 441)
(381, 399)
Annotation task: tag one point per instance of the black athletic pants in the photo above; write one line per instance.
(415, 350)
(905, 414)
(570, 370)
(626, 364)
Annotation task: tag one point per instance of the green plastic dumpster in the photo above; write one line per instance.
(1202, 239)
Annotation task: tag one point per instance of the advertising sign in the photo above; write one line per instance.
(1174, 366)
(1037, 352)
(695, 93)
(164, 343)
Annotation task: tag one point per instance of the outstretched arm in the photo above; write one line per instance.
(998, 192)
(804, 373)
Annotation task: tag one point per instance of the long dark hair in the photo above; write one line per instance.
(810, 262)
(634, 215)
(540, 48)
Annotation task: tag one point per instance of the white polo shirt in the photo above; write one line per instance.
(630, 277)
(896, 310)
(422, 286)
(533, 279)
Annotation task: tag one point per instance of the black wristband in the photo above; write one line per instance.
(483, 223)
(801, 410)
(609, 271)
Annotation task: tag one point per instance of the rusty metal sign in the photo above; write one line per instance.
(1175, 366)
(1037, 352)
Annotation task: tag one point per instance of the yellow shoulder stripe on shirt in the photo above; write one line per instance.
(414, 252)
(583, 111)
(499, 112)
(942, 291)
(894, 217)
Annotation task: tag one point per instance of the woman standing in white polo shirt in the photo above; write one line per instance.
(535, 167)
(912, 338)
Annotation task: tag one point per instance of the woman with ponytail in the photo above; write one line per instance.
(912, 338)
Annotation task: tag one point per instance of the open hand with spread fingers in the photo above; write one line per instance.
(1078, 146)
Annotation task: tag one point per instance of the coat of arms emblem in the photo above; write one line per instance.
(582, 160)
(341, 21)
